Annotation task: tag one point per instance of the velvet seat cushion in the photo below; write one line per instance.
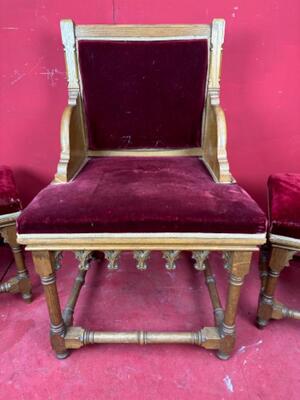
(143, 94)
(9, 198)
(284, 204)
(138, 194)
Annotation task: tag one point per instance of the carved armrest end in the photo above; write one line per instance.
(73, 146)
(214, 146)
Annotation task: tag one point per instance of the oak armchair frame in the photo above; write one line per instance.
(237, 248)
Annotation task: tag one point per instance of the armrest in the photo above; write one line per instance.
(214, 144)
(73, 144)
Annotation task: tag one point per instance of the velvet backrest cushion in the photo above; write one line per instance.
(143, 94)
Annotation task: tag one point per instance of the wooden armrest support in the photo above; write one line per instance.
(214, 146)
(73, 144)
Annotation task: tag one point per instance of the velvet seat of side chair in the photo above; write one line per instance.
(284, 203)
(138, 194)
(9, 198)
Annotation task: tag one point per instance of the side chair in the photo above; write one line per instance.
(283, 244)
(10, 206)
(143, 168)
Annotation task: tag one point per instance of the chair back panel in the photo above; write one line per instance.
(143, 93)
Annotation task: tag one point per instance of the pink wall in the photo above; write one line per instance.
(260, 80)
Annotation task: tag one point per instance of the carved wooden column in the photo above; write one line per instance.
(279, 259)
(238, 264)
(73, 133)
(44, 262)
(22, 282)
(69, 42)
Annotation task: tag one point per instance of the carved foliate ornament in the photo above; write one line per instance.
(200, 258)
(141, 256)
(112, 256)
(227, 257)
(171, 256)
(84, 257)
(58, 255)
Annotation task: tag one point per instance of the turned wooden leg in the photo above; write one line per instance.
(279, 259)
(263, 264)
(44, 262)
(70, 307)
(238, 266)
(21, 283)
(84, 258)
(210, 281)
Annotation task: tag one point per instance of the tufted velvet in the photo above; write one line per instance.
(284, 207)
(127, 194)
(9, 199)
(143, 94)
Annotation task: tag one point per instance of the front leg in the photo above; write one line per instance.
(238, 265)
(21, 283)
(279, 259)
(44, 262)
(263, 264)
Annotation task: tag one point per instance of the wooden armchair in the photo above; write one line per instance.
(143, 167)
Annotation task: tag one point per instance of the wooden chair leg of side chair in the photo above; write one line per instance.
(279, 259)
(263, 264)
(239, 266)
(21, 283)
(44, 262)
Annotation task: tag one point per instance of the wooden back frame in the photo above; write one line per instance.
(74, 141)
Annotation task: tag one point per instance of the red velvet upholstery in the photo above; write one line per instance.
(284, 207)
(136, 194)
(9, 199)
(143, 94)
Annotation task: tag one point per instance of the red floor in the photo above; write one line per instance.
(266, 364)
